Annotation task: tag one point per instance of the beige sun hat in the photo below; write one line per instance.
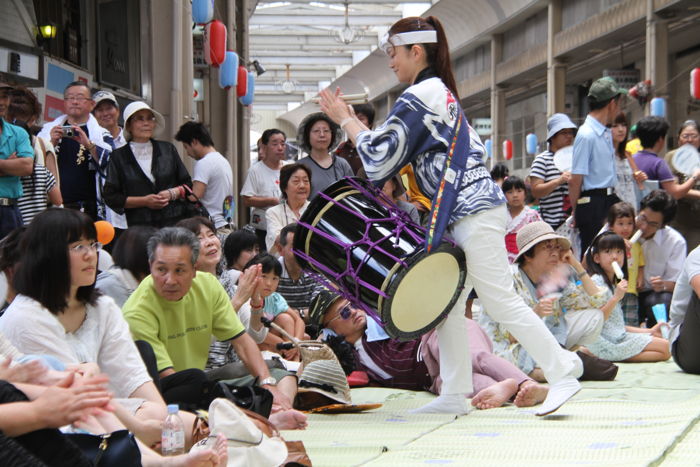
(536, 232)
(247, 444)
(325, 377)
(134, 107)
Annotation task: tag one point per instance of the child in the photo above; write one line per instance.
(520, 214)
(621, 221)
(239, 248)
(272, 304)
(618, 342)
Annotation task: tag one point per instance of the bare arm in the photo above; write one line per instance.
(260, 201)
(575, 190)
(540, 188)
(199, 188)
(55, 197)
(17, 166)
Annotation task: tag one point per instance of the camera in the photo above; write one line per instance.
(68, 131)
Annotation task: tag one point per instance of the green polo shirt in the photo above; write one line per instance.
(180, 332)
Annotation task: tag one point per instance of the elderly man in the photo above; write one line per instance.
(177, 310)
(414, 364)
(82, 152)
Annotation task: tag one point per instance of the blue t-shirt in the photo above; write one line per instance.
(13, 140)
(275, 304)
(594, 155)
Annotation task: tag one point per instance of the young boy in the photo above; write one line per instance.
(272, 304)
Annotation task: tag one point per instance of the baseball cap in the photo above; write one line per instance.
(100, 96)
(604, 89)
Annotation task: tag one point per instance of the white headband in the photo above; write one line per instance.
(407, 38)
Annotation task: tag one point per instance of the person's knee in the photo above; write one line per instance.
(284, 320)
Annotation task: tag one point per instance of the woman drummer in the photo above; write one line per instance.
(425, 122)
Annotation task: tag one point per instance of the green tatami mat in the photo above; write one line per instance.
(646, 417)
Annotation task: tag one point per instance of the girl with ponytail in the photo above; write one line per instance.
(427, 128)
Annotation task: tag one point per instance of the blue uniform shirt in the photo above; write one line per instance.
(594, 155)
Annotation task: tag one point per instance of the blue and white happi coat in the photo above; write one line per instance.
(419, 130)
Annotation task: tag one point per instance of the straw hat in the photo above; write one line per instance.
(325, 377)
(536, 232)
(134, 107)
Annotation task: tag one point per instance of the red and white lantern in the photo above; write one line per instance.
(508, 149)
(242, 85)
(215, 43)
(695, 83)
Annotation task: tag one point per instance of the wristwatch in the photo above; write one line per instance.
(269, 381)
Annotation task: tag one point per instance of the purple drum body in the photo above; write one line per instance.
(367, 249)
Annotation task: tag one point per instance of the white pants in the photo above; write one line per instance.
(583, 326)
(482, 237)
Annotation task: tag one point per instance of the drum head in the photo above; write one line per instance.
(563, 159)
(421, 295)
(686, 160)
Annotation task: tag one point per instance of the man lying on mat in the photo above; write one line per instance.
(414, 364)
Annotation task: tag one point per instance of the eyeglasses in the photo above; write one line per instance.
(344, 314)
(690, 136)
(82, 248)
(643, 218)
(143, 118)
(76, 98)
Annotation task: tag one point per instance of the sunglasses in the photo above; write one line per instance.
(344, 314)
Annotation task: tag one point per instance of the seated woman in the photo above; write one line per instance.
(685, 315)
(295, 183)
(239, 248)
(62, 315)
(30, 416)
(553, 283)
(618, 342)
(130, 264)
(146, 179)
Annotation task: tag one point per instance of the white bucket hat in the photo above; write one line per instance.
(247, 444)
(134, 107)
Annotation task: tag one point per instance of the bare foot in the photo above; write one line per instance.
(495, 395)
(288, 420)
(531, 393)
(538, 375)
(215, 456)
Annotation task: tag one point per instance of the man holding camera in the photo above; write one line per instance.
(82, 152)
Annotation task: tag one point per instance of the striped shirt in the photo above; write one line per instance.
(552, 205)
(395, 358)
(297, 293)
(36, 193)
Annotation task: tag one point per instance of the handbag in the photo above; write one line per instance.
(253, 398)
(194, 208)
(114, 449)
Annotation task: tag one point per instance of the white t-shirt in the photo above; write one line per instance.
(683, 292)
(215, 172)
(261, 181)
(103, 338)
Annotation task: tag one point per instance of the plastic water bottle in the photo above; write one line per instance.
(173, 438)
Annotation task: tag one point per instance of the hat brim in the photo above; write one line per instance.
(564, 243)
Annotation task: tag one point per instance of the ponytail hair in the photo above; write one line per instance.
(438, 54)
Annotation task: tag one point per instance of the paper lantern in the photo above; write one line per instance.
(508, 149)
(215, 43)
(242, 85)
(247, 99)
(531, 143)
(489, 148)
(695, 83)
(658, 107)
(202, 11)
(228, 71)
(105, 232)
